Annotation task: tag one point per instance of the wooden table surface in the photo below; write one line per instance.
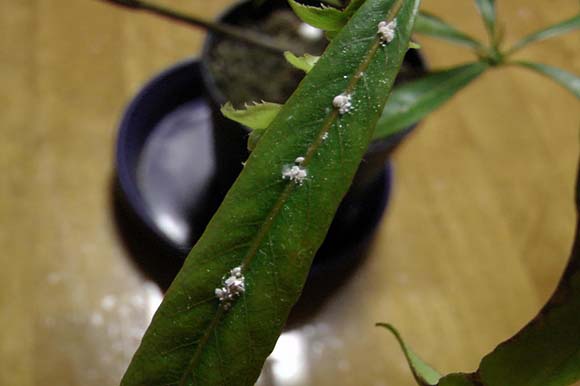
(477, 232)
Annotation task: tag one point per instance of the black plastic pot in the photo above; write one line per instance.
(164, 196)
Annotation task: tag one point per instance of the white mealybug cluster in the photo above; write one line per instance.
(299, 160)
(325, 136)
(342, 102)
(295, 173)
(232, 287)
(386, 30)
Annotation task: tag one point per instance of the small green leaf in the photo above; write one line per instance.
(272, 222)
(546, 33)
(325, 18)
(565, 79)
(256, 116)
(412, 101)
(304, 63)
(487, 11)
(254, 138)
(414, 46)
(352, 7)
(424, 374)
(431, 25)
(334, 3)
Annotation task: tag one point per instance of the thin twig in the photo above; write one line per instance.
(233, 32)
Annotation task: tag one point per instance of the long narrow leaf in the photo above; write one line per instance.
(414, 100)
(565, 79)
(431, 25)
(274, 217)
(549, 32)
(487, 11)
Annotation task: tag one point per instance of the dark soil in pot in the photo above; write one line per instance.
(243, 73)
(247, 73)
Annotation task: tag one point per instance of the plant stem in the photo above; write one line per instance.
(233, 32)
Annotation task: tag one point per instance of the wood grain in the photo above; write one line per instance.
(477, 232)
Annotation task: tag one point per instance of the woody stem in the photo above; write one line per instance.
(236, 33)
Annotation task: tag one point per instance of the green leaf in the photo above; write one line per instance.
(352, 7)
(431, 25)
(487, 10)
(424, 374)
(565, 79)
(325, 18)
(304, 62)
(546, 33)
(412, 101)
(270, 226)
(337, 21)
(459, 380)
(414, 46)
(334, 3)
(256, 116)
(254, 138)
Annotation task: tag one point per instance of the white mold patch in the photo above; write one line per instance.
(386, 30)
(294, 173)
(342, 103)
(232, 287)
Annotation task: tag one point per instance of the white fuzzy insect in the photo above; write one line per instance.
(299, 160)
(386, 30)
(232, 287)
(342, 102)
(294, 173)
